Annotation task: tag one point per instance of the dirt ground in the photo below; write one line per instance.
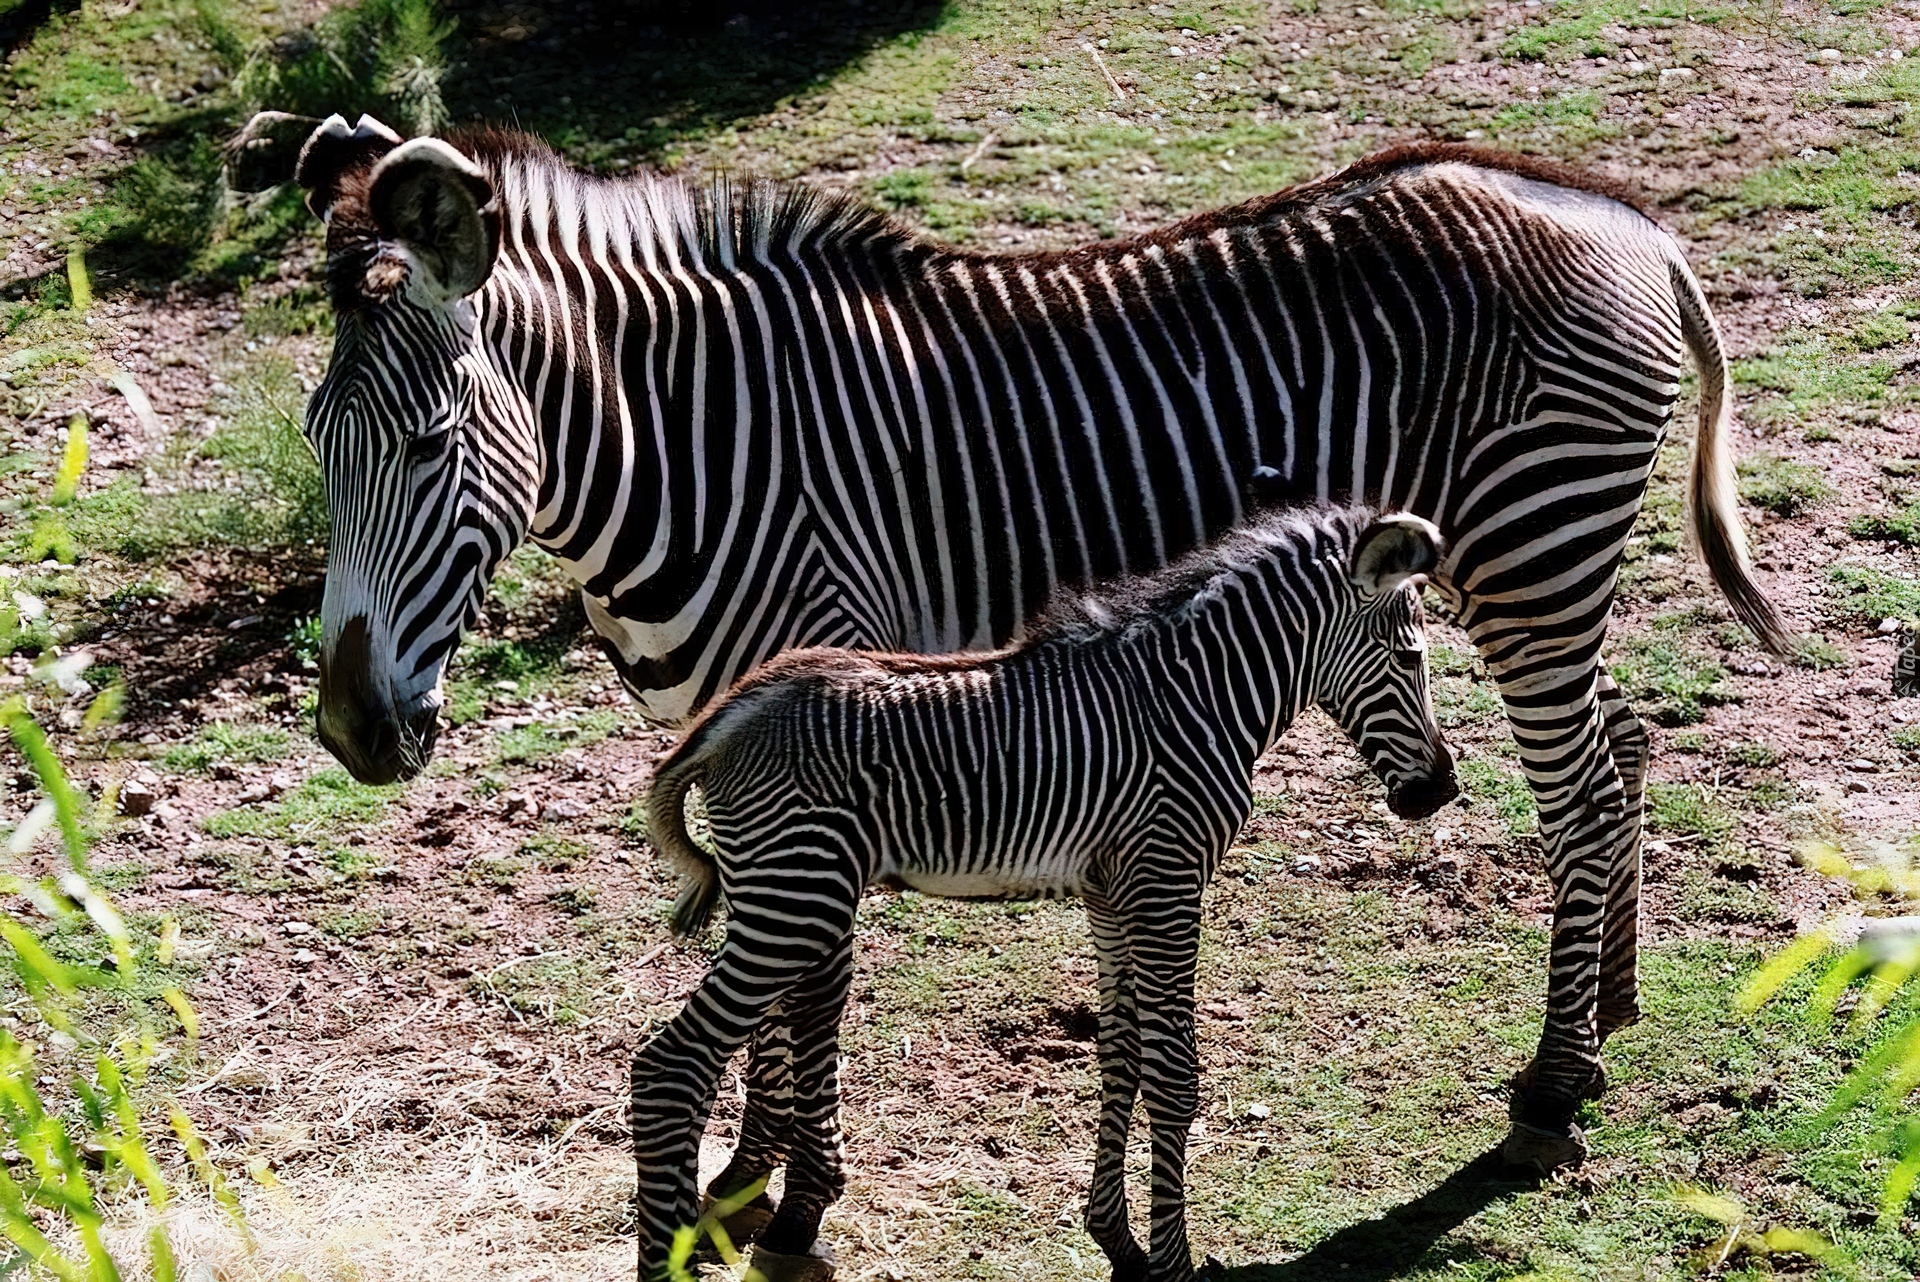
(418, 1006)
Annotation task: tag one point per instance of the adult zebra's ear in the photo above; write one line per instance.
(266, 152)
(1392, 551)
(336, 151)
(428, 197)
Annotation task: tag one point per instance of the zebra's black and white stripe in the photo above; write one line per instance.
(749, 422)
(1109, 758)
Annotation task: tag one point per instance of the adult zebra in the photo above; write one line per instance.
(748, 421)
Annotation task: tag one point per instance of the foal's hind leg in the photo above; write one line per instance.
(816, 1176)
(765, 1124)
(768, 950)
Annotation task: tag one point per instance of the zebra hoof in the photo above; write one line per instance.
(747, 1223)
(815, 1266)
(1544, 1150)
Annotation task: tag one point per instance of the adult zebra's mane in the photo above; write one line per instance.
(721, 224)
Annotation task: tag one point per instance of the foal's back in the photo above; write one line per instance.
(1002, 775)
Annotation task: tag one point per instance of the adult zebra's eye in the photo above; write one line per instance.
(426, 449)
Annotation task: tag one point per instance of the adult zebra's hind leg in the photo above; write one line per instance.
(1107, 1220)
(1557, 722)
(1620, 940)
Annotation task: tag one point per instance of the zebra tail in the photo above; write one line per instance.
(667, 829)
(1712, 497)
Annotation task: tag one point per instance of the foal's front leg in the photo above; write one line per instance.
(1107, 1220)
(1165, 934)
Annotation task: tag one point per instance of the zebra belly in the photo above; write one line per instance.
(1031, 884)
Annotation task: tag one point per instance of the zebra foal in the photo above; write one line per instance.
(1110, 757)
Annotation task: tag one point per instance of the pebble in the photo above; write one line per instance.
(298, 927)
(1888, 627)
(1259, 1112)
(1861, 763)
(136, 798)
(1675, 74)
(1307, 863)
(1827, 56)
(305, 957)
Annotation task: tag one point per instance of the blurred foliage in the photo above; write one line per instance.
(1869, 975)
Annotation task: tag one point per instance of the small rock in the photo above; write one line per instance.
(1674, 75)
(305, 957)
(298, 927)
(1858, 785)
(1888, 627)
(1307, 864)
(225, 771)
(254, 792)
(136, 798)
(1828, 56)
(278, 782)
(565, 809)
(1232, 1012)
(1861, 763)
(1259, 1112)
(519, 803)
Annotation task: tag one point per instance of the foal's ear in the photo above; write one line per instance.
(1394, 550)
(439, 205)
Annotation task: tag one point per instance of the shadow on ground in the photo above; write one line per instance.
(1386, 1246)
(607, 79)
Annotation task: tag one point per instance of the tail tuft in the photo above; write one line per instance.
(667, 829)
(693, 911)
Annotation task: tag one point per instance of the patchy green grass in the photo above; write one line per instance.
(1782, 486)
(1902, 527)
(1575, 28)
(317, 809)
(1690, 810)
(1802, 377)
(532, 743)
(1669, 682)
(1501, 790)
(1868, 594)
(231, 742)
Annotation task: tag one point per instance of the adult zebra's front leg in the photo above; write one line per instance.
(1567, 754)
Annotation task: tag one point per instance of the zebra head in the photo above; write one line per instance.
(423, 509)
(1373, 679)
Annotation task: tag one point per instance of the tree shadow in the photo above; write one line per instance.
(610, 81)
(1386, 1246)
(19, 21)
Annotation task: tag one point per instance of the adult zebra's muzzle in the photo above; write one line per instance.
(375, 739)
(1422, 795)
